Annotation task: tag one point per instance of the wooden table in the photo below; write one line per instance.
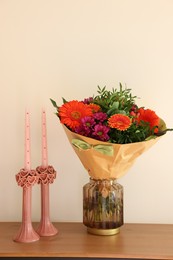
(135, 241)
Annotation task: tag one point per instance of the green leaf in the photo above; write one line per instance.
(53, 103)
(121, 87)
(64, 100)
(115, 104)
(121, 112)
(113, 109)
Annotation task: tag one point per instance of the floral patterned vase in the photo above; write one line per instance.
(103, 206)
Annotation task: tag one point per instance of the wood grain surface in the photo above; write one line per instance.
(135, 241)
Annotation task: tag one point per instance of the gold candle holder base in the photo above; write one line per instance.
(103, 232)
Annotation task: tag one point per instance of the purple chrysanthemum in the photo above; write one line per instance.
(86, 126)
(88, 100)
(88, 122)
(81, 130)
(100, 116)
(101, 132)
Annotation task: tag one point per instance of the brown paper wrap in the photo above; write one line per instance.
(100, 166)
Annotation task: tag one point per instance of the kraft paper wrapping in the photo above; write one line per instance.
(101, 166)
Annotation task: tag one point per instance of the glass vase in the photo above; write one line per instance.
(103, 206)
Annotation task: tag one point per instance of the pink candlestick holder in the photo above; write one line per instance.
(46, 177)
(26, 179)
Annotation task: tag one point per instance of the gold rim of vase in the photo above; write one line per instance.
(103, 232)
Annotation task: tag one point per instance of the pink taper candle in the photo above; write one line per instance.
(27, 142)
(26, 232)
(44, 141)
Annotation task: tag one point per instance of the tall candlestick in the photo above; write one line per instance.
(27, 142)
(45, 228)
(44, 141)
(26, 178)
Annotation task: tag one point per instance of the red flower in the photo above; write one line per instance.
(120, 122)
(72, 112)
(149, 116)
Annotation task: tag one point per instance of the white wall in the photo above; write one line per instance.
(65, 48)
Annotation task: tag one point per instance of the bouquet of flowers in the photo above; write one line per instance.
(109, 128)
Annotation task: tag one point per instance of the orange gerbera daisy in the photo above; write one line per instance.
(95, 108)
(71, 113)
(149, 116)
(120, 122)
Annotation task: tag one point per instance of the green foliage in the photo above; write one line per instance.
(115, 101)
(135, 133)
